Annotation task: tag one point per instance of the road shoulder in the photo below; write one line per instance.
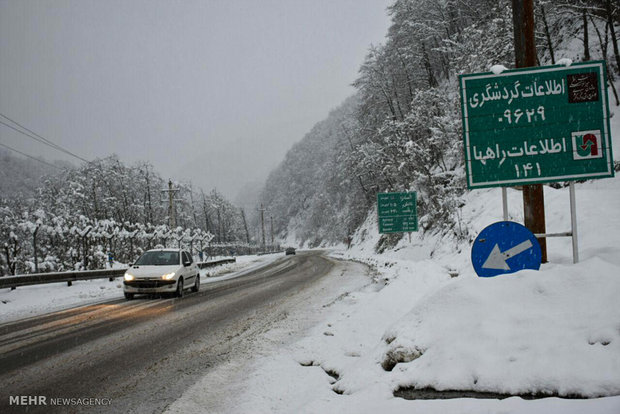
(223, 388)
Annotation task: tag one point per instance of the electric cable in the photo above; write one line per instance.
(33, 135)
(30, 156)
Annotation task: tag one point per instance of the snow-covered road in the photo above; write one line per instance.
(31, 301)
(145, 354)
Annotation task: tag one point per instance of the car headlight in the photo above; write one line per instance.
(129, 277)
(168, 276)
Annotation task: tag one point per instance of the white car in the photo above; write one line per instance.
(162, 271)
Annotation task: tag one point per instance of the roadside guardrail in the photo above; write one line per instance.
(216, 263)
(70, 277)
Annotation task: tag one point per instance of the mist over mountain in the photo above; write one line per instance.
(20, 177)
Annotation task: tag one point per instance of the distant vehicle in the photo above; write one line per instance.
(289, 250)
(162, 271)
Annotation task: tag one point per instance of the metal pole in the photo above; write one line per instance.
(262, 223)
(505, 203)
(573, 221)
(271, 219)
(171, 213)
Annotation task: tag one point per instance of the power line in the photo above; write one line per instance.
(23, 127)
(54, 146)
(30, 156)
(33, 135)
(38, 137)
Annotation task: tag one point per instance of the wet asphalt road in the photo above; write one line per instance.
(139, 356)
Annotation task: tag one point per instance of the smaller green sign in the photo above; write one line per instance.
(397, 212)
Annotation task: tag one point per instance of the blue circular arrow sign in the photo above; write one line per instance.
(505, 247)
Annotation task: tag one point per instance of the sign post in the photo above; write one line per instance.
(397, 212)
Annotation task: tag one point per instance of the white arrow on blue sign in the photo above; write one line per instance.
(505, 247)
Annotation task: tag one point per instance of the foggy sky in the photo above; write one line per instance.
(212, 91)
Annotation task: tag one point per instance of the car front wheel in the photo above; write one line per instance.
(196, 286)
(179, 292)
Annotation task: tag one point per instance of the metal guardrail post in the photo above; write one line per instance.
(573, 221)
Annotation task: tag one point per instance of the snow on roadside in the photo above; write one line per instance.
(553, 333)
(224, 386)
(241, 263)
(556, 331)
(29, 301)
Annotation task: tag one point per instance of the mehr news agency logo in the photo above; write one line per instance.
(42, 400)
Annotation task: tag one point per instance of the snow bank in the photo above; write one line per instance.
(556, 331)
(552, 332)
(28, 301)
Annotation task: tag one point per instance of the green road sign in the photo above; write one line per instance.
(536, 125)
(397, 212)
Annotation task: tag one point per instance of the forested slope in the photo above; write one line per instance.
(20, 177)
(402, 129)
(76, 216)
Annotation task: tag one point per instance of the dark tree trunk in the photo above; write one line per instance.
(604, 44)
(8, 258)
(34, 247)
(547, 34)
(219, 225)
(245, 226)
(432, 81)
(586, 45)
(525, 56)
(614, 40)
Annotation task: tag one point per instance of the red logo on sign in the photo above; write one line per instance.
(590, 145)
(587, 145)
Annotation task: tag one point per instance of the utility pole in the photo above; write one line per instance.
(525, 56)
(219, 225)
(271, 219)
(262, 222)
(208, 226)
(172, 220)
(245, 226)
(191, 200)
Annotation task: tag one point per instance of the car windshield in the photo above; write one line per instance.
(161, 258)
